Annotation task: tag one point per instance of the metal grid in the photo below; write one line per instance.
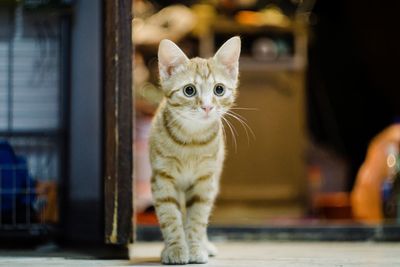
(18, 200)
(25, 201)
(31, 110)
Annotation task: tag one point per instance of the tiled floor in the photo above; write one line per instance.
(240, 254)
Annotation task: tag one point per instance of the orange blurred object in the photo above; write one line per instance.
(270, 16)
(249, 18)
(366, 195)
(47, 193)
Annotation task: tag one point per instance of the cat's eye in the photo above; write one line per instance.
(219, 90)
(189, 90)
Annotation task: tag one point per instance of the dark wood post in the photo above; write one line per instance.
(118, 121)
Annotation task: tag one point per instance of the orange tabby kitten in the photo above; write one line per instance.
(187, 146)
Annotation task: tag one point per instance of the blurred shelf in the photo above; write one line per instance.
(290, 63)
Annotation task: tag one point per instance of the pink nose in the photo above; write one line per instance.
(207, 109)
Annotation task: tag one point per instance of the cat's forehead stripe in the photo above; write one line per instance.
(209, 71)
(203, 70)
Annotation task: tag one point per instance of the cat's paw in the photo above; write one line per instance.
(175, 255)
(198, 254)
(211, 249)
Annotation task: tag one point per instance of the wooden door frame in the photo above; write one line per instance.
(118, 173)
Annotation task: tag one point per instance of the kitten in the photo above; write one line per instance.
(187, 146)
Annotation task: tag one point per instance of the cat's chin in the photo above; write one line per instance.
(201, 119)
(207, 119)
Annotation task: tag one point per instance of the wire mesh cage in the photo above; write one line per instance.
(28, 179)
(32, 120)
(16, 195)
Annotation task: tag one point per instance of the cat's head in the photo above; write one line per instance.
(198, 89)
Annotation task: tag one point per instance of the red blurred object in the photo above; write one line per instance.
(146, 218)
(335, 205)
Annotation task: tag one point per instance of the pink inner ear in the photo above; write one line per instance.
(232, 71)
(230, 63)
(228, 59)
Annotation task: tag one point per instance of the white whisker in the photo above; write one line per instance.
(232, 132)
(243, 122)
(245, 129)
(223, 130)
(241, 108)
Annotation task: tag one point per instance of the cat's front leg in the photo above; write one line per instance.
(169, 215)
(199, 201)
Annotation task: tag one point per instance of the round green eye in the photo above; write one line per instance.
(189, 90)
(219, 90)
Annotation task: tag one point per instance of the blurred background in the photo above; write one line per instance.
(317, 83)
(319, 91)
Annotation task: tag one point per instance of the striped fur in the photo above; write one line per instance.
(187, 147)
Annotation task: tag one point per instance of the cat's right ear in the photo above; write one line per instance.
(170, 59)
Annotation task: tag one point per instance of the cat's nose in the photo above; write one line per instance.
(207, 108)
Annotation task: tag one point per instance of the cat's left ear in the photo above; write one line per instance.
(170, 59)
(228, 56)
